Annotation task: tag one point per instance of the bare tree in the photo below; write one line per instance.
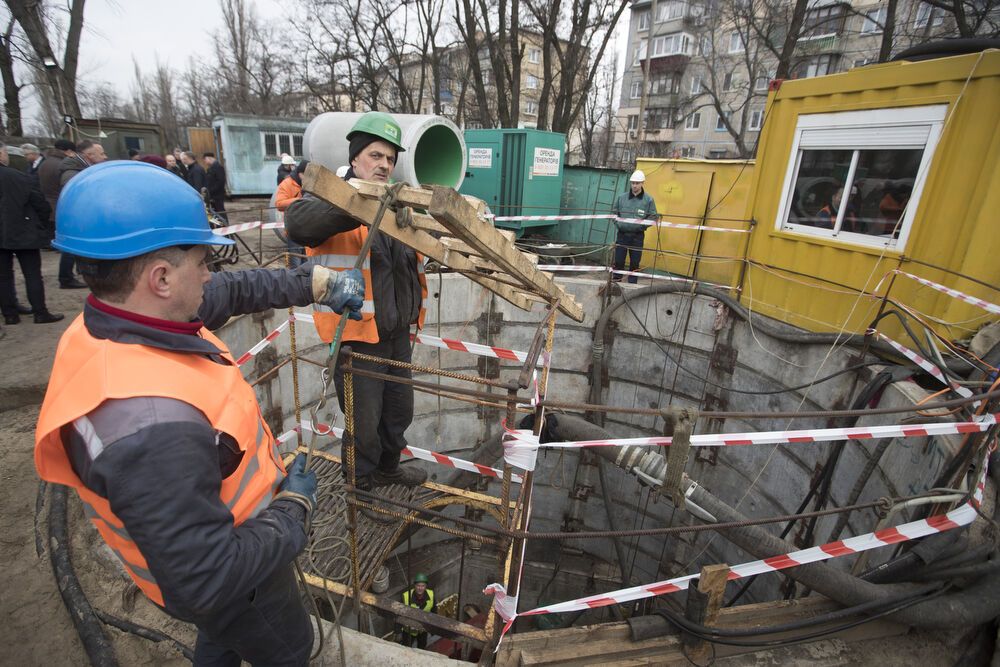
(37, 20)
(253, 69)
(570, 40)
(595, 128)
(973, 18)
(11, 89)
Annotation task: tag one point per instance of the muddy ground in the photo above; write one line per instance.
(37, 629)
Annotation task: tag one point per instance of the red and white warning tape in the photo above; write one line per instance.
(525, 440)
(472, 348)
(244, 226)
(961, 296)
(923, 363)
(415, 452)
(555, 268)
(960, 516)
(614, 218)
(269, 338)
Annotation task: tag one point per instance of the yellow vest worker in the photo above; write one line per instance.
(148, 418)
(421, 598)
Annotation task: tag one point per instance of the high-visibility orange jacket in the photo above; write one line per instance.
(288, 191)
(340, 252)
(90, 370)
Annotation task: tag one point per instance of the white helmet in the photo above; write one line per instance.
(287, 159)
(342, 170)
(638, 176)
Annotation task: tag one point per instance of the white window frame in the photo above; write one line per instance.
(643, 21)
(719, 125)
(693, 122)
(756, 120)
(531, 82)
(633, 122)
(277, 143)
(696, 85)
(670, 10)
(872, 21)
(534, 55)
(729, 82)
(640, 52)
(735, 42)
(848, 130)
(926, 14)
(635, 90)
(530, 108)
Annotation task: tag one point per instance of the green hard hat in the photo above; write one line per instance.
(421, 578)
(381, 125)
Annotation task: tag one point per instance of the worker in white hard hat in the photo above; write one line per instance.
(286, 167)
(630, 209)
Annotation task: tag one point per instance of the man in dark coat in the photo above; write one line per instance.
(23, 215)
(215, 181)
(196, 176)
(78, 158)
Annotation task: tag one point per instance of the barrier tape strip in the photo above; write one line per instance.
(472, 348)
(961, 296)
(415, 452)
(960, 516)
(526, 440)
(244, 226)
(614, 218)
(604, 269)
(923, 363)
(255, 350)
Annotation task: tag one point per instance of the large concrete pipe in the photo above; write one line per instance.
(435, 148)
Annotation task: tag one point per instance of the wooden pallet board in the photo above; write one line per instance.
(454, 232)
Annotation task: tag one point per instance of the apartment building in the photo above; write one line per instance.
(709, 72)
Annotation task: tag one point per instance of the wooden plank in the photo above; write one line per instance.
(410, 196)
(449, 208)
(328, 186)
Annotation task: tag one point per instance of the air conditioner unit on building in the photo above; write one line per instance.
(632, 134)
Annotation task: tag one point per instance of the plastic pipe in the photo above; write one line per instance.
(435, 148)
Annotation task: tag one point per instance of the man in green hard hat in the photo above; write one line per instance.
(395, 290)
(419, 597)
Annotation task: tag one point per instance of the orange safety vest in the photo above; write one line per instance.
(340, 252)
(88, 371)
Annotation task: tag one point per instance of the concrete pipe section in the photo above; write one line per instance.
(435, 148)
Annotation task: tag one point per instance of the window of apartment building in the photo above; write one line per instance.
(928, 14)
(729, 82)
(857, 176)
(693, 122)
(660, 118)
(687, 151)
(822, 22)
(735, 42)
(756, 120)
(720, 123)
(534, 55)
(718, 154)
(644, 21)
(531, 81)
(816, 66)
(276, 143)
(665, 84)
(668, 45)
(670, 10)
(873, 22)
(705, 46)
(633, 122)
(531, 108)
(640, 52)
(761, 83)
(696, 85)
(635, 90)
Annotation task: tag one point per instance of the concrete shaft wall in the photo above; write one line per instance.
(719, 357)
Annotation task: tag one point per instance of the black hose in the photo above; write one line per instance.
(976, 570)
(144, 632)
(88, 625)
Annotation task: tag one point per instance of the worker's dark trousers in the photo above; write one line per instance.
(219, 206)
(418, 640)
(631, 243)
(66, 264)
(268, 628)
(382, 410)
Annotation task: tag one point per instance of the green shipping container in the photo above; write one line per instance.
(589, 191)
(517, 172)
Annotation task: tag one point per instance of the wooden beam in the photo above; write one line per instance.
(448, 207)
(328, 186)
(409, 196)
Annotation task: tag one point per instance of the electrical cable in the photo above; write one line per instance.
(144, 632)
(704, 633)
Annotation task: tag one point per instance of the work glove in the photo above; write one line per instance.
(339, 290)
(299, 485)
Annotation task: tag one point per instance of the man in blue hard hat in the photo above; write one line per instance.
(148, 418)
(394, 301)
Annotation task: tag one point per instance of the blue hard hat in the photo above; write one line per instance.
(126, 208)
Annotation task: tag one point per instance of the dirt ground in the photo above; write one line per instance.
(37, 629)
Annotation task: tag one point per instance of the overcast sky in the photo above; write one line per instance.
(118, 31)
